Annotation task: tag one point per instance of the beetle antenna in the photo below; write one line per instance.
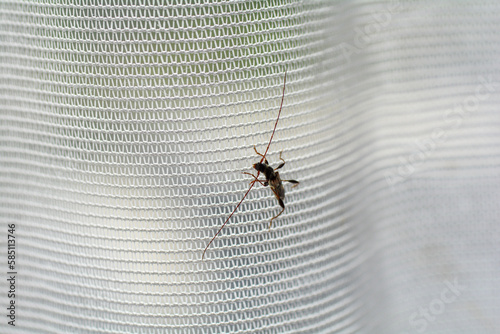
(236, 208)
(258, 173)
(277, 119)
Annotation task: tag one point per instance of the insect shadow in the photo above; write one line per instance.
(272, 177)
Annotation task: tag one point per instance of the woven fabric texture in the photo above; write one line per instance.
(126, 126)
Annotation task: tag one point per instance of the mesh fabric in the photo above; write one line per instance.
(125, 128)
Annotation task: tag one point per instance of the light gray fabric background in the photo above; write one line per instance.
(125, 129)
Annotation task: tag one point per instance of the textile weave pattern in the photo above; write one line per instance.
(126, 126)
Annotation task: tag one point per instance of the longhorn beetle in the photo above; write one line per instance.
(273, 179)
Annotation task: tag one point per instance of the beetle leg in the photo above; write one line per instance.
(282, 164)
(295, 182)
(283, 209)
(255, 149)
(262, 155)
(263, 182)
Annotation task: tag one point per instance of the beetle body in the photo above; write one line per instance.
(273, 179)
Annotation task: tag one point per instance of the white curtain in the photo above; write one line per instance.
(126, 126)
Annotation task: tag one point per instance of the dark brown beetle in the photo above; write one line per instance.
(273, 180)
